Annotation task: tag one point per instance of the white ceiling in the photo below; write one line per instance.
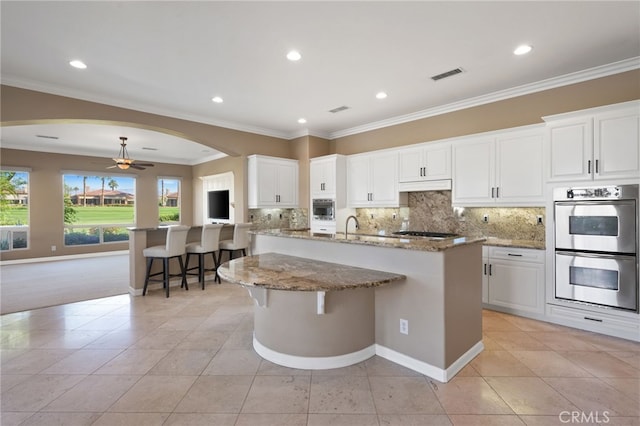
(171, 58)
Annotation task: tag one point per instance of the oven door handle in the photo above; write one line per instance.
(595, 255)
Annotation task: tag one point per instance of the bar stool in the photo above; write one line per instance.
(175, 247)
(209, 242)
(240, 240)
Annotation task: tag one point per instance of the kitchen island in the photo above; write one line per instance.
(439, 303)
(309, 314)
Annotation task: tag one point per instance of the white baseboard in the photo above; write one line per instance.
(313, 363)
(429, 370)
(64, 257)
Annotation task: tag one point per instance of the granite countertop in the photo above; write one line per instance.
(282, 272)
(527, 244)
(394, 241)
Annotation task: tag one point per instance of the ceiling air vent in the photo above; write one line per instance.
(446, 74)
(339, 109)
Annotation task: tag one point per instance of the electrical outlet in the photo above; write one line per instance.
(539, 220)
(53, 248)
(404, 326)
(485, 218)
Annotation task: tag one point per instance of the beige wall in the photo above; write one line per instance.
(46, 198)
(518, 111)
(20, 106)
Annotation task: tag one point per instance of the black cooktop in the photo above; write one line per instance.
(426, 234)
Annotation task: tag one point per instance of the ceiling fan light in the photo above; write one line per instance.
(123, 166)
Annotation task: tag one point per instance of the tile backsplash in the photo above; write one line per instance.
(279, 218)
(432, 211)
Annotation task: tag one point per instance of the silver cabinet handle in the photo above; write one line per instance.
(589, 167)
(493, 192)
(597, 166)
(490, 269)
(485, 269)
(497, 192)
(513, 254)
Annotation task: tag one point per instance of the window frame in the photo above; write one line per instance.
(178, 201)
(11, 229)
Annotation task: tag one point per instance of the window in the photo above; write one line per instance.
(97, 209)
(169, 200)
(14, 209)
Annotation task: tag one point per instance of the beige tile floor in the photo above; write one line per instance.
(188, 360)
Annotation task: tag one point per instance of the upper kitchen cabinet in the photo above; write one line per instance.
(429, 161)
(326, 174)
(599, 143)
(502, 168)
(372, 180)
(272, 182)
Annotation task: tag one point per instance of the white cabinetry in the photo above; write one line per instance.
(323, 175)
(600, 143)
(372, 180)
(327, 180)
(429, 161)
(513, 280)
(503, 168)
(272, 182)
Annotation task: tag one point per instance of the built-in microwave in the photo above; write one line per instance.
(323, 209)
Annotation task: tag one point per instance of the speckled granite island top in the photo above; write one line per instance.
(282, 272)
(409, 243)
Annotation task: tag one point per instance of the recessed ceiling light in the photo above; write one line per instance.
(522, 50)
(381, 95)
(294, 55)
(217, 99)
(76, 63)
(302, 120)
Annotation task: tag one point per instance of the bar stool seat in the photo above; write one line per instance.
(240, 240)
(174, 247)
(209, 243)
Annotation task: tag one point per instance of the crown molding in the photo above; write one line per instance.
(90, 97)
(551, 83)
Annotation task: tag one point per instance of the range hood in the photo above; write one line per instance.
(427, 185)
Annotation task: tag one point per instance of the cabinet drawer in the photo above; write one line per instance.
(519, 254)
(600, 322)
(323, 228)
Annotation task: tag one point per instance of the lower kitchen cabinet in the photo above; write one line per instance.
(513, 280)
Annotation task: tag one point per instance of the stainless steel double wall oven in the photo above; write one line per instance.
(596, 242)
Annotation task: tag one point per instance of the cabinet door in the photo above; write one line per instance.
(383, 175)
(616, 145)
(410, 165)
(266, 181)
(519, 174)
(485, 275)
(322, 179)
(358, 181)
(437, 162)
(473, 171)
(517, 285)
(571, 150)
(287, 185)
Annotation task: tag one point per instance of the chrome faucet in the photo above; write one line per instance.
(346, 225)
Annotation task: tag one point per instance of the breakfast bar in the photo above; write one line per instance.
(310, 314)
(429, 321)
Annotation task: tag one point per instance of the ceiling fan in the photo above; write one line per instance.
(123, 161)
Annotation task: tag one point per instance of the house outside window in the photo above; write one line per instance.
(169, 200)
(14, 209)
(97, 209)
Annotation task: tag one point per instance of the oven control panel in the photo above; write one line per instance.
(606, 192)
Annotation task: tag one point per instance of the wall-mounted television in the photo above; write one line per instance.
(218, 204)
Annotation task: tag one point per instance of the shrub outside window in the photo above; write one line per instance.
(14, 209)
